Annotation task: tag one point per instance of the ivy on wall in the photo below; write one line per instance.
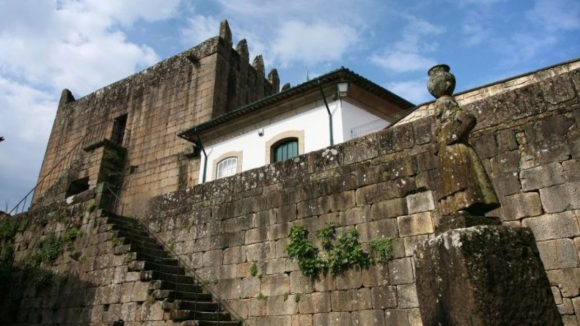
(338, 254)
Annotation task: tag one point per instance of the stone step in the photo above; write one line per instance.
(151, 244)
(199, 315)
(177, 287)
(129, 229)
(134, 237)
(209, 323)
(138, 266)
(174, 278)
(123, 249)
(139, 256)
(195, 305)
(173, 295)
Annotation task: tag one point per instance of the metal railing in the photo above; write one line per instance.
(95, 133)
(189, 269)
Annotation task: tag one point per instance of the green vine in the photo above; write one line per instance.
(339, 253)
(382, 249)
(253, 270)
(301, 250)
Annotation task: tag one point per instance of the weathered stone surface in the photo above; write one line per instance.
(420, 202)
(397, 317)
(314, 303)
(491, 256)
(521, 205)
(559, 198)
(368, 317)
(333, 318)
(542, 176)
(351, 300)
(558, 254)
(401, 271)
(384, 297)
(566, 280)
(553, 226)
(389, 208)
(415, 224)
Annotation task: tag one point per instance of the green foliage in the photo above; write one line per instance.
(39, 277)
(381, 249)
(297, 297)
(339, 253)
(347, 253)
(91, 206)
(304, 252)
(43, 221)
(47, 250)
(253, 270)
(285, 296)
(7, 229)
(261, 296)
(72, 234)
(327, 236)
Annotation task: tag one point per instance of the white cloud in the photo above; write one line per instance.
(414, 90)
(556, 14)
(324, 42)
(403, 61)
(47, 46)
(199, 28)
(411, 52)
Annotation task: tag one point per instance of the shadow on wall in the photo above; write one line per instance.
(34, 295)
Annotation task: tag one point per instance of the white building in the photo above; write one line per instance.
(330, 109)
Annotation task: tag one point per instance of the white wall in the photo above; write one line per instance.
(354, 116)
(314, 123)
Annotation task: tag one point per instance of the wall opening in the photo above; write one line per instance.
(119, 126)
(77, 186)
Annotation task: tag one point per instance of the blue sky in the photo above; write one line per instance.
(83, 45)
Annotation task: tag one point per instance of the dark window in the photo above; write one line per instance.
(285, 149)
(77, 186)
(119, 126)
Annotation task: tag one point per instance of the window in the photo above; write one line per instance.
(227, 167)
(285, 149)
(284, 145)
(119, 126)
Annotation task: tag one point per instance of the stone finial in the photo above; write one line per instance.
(242, 49)
(274, 80)
(441, 82)
(258, 63)
(286, 87)
(65, 97)
(226, 33)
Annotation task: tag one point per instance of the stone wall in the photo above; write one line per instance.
(171, 96)
(384, 185)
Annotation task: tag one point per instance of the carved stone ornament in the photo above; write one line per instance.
(465, 186)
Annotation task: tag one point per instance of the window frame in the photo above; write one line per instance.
(280, 139)
(232, 154)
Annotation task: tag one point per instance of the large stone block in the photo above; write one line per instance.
(333, 318)
(559, 198)
(420, 202)
(368, 317)
(389, 208)
(566, 280)
(553, 226)
(542, 176)
(314, 303)
(415, 224)
(401, 271)
(351, 300)
(521, 205)
(557, 254)
(384, 297)
(483, 275)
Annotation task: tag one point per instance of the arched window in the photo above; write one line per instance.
(284, 149)
(227, 167)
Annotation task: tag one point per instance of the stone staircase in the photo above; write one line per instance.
(181, 295)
